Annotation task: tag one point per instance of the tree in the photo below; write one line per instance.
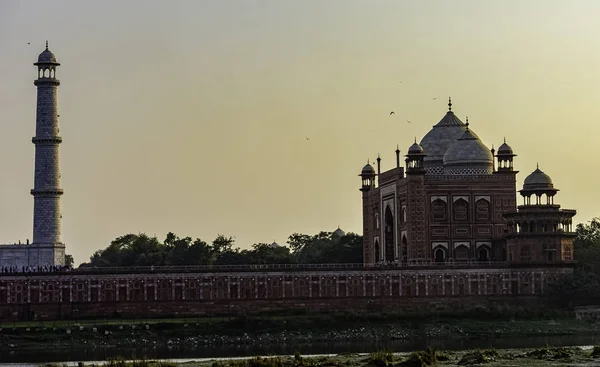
(69, 260)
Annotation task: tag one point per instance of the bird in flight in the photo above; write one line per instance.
(409, 121)
(28, 43)
(435, 98)
(400, 82)
(392, 113)
(307, 138)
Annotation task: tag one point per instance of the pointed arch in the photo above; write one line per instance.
(389, 234)
(439, 255)
(439, 210)
(483, 254)
(482, 210)
(377, 254)
(461, 253)
(461, 210)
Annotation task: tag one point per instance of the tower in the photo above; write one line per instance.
(47, 192)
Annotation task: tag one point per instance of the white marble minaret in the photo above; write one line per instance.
(47, 192)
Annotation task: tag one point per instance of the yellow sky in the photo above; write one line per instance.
(192, 116)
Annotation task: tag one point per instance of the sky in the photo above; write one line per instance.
(193, 116)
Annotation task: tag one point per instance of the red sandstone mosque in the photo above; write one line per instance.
(455, 202)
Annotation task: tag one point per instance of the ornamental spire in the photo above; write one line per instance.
(449, 103)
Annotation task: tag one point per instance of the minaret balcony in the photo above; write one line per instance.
(46, 81)
(46, 140)
(47, 192)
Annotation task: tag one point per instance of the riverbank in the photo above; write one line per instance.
(547, 356)
(191, 333)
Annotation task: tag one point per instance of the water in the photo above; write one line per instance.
(163, 352)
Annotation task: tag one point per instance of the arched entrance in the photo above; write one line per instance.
(389, 234)
(377, 251)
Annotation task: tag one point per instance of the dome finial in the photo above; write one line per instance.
(46, 44)
(415, 140)
(505, 140)
(537, 165)
(467, 124)
(397, 147)
(449, 103)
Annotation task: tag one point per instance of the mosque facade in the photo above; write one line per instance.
(47, 248)
(455, 201)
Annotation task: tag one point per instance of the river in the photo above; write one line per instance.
(33, 356)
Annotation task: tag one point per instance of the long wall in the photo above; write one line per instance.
(152, 294)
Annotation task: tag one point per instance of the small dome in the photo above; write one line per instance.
(274, 244)
(338, 233)
(367, 170)
(505, 149)
(470, 154)
(415, 149)
(538, 180)
(47, 57)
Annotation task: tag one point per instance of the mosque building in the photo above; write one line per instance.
(455, 201)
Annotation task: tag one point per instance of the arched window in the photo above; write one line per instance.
(404, 248)
(461, 253)
(482, 210)
(461, 210)
(404, 218)
(483, 254)
(440, 255)
(377, 251)
(389, 234)
(377, 220)
(438, 211)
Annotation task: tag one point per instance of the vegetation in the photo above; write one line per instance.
(583, 285)
(143, 250)
(548, 356)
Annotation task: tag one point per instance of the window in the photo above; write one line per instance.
(482, 210)
(438, 210)
(525, 254)
(377, 220)
(568, 253)
(461, 210)
(461, 253)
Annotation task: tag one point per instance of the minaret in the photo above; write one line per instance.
(47, 192)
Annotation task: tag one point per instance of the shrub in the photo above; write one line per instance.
(381, 358)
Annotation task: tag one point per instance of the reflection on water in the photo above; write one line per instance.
(95, 354)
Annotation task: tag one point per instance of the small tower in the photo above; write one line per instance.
(368, 177)
(542, 231)
(414, 159)
(505, 157)
(47, 192)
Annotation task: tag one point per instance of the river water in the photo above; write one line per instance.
(32, 356)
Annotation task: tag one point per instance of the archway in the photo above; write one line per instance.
(389, 234)
(440, 255)
(377, 251)
(483, 254)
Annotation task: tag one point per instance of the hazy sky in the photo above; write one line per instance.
(191, 116)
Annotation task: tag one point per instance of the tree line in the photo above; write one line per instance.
(143, 250)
